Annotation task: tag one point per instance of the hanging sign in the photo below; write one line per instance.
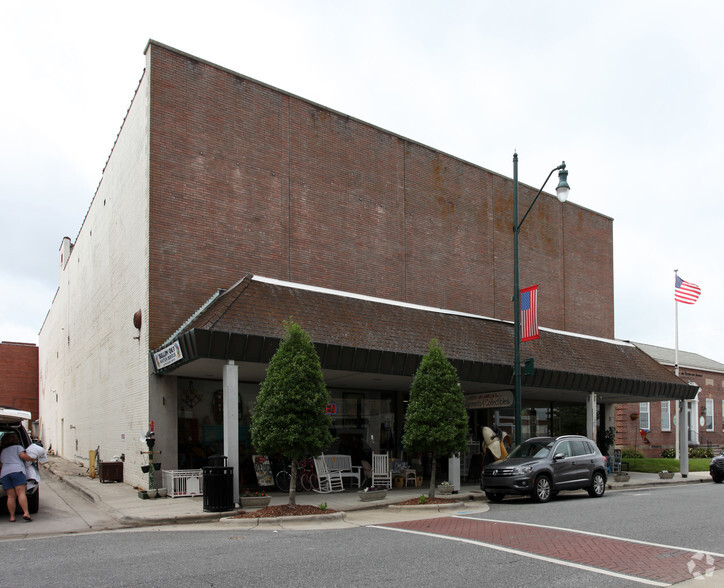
(501, 399)
(167, 356)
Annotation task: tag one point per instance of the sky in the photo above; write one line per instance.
(629, 93)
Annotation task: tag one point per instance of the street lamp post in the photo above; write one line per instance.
(562, 191)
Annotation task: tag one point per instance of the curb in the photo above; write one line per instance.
(679, 482)
(61, 477)
(261, 521)
(434, 507)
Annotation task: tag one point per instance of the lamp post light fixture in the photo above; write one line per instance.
(562, 191)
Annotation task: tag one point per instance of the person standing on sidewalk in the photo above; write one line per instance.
(12, 474)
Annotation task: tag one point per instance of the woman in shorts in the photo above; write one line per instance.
(12, 474)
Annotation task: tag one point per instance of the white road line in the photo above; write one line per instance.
(688, 549)
(528, 555)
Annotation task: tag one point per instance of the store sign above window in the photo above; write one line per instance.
(167, 356)
(502, 399)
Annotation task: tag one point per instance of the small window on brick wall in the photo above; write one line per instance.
(666, 415)
(644, 421)
(709, 414)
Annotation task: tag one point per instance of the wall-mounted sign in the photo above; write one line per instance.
(501, 399)
(332, 408)
(167, 356)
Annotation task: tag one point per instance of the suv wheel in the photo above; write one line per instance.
(495, 496)
(542, 489)
(598, 486)
(718, 478)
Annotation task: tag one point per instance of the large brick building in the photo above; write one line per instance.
(228, 206)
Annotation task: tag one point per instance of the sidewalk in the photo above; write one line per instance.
(121, 500)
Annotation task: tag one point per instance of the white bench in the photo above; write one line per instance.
(343, 465)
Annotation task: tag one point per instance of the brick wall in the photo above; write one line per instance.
(628, 431)
(19, 376)
(246, 178)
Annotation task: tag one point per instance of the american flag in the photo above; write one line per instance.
(529, 314)
(686, 292)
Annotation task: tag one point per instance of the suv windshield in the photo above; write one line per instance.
(532, 449)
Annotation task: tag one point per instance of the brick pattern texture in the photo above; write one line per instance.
(628, 431)
(245, 178)
(19, 376)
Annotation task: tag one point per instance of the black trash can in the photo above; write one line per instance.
(218, 485)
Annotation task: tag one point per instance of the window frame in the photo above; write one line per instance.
(645, 410)
(666, 416)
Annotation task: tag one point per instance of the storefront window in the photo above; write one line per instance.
(362, 423)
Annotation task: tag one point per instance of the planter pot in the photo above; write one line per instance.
(372, 495)
(666, 475)
(398, 481)
(621, 477)
(145, 469)
(157, 466)
(446, 489)
(418, 482)
(152, 492)
(255, 501)
(162, 492)
(143, 495)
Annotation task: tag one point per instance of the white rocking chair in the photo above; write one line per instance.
(329, 481)
(381, 474)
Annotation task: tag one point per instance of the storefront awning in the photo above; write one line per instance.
(370, 340)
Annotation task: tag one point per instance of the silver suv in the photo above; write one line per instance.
(11, 420)
(543, 466)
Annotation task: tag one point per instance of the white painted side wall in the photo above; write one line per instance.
(94, 366)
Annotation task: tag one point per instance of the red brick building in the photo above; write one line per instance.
(656, 419)
(19, 376)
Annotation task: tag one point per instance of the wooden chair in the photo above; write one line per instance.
(381, 474)
(329, 481)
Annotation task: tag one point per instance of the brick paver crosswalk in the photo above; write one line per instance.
(668, 565)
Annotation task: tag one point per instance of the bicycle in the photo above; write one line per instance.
(306, 475)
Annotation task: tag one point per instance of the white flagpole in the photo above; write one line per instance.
(682, 421)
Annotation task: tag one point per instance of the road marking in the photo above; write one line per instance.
(712, 553)
(528, 555)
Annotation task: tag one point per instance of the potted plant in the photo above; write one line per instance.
(254, 498)
(398, 480)
(445, 488)
(666, 475)
(372, 493)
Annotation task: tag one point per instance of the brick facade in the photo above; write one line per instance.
(246, 178)
(19, 376)
(712, 387)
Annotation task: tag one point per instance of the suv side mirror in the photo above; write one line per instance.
(559, 456)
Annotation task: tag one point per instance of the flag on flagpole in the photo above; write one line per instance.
(686, 292)
(529, 314)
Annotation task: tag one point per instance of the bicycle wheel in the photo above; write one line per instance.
(305, 482)
(313, 481)
(282, 480)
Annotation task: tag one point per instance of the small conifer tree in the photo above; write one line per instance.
(290, 416)
(436, 419)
